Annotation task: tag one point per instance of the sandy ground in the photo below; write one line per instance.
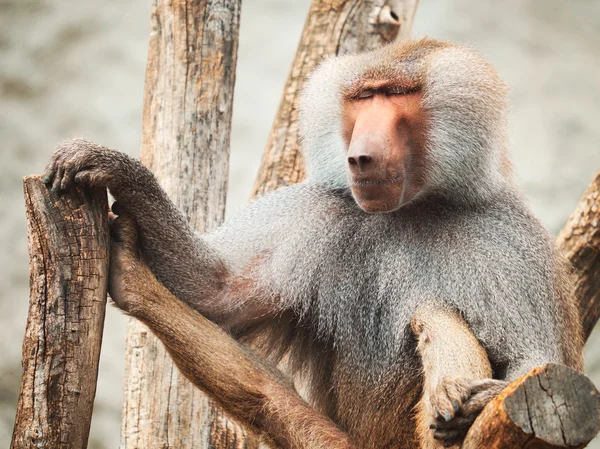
(72, 68)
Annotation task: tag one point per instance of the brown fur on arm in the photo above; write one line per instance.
(247, 388)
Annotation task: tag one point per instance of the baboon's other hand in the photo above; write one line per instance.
(457, 403)
(130, 280)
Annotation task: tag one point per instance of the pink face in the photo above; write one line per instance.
(384, 131)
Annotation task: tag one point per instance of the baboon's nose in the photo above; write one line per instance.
(361, 161)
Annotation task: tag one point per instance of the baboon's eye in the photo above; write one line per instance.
(367, 93)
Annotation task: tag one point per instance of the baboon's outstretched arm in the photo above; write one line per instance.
(177, 256)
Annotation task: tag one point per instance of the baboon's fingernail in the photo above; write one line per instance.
(447, 416)
(455, 405)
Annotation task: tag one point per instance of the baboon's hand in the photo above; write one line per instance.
(456, 404)
(83, 162)
(130, 281)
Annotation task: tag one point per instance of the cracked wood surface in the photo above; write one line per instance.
(333, 27)
(580, 241)
(68, 271)
(550, 407)
(188, 98)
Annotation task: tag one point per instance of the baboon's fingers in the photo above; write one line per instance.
(443, 408)
(68, 178)
(449, 438)
(49, 171)
(459, 423)
(92, 177)
(58, 178)
(449, 398)
(457, 390)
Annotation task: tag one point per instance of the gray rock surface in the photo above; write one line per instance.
(77, 69)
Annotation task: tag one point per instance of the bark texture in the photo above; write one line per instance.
(68, 272)
(580, 241)
(550, 407)
(333, 27)
(188, 99)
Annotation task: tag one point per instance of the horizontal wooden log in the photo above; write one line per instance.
(551, 407)
(580, 241)
(68, 248)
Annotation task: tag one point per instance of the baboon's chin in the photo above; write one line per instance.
(378, 199)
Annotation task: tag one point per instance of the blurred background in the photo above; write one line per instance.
(76, 68)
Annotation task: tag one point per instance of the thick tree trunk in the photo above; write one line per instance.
(580, 241)
(68, 273)
(186, 127)
(551, 407)
(333, 27)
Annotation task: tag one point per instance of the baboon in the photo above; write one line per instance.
(404, 282)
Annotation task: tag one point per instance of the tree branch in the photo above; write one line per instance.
(68, 270)
(580, 241)
(188, 98)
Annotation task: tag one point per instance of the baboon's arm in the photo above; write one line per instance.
(457, 376)
(249, 389)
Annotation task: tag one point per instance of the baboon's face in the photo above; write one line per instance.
(384, 130)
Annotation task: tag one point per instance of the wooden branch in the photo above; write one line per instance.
(580, 241)
(551, 407)
(332, 27)
(186, 129)
(68, 268)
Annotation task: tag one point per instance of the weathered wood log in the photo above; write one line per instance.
(68, 272)
(188, 99)
(550, 407)
(333, 27)
(580, 241)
